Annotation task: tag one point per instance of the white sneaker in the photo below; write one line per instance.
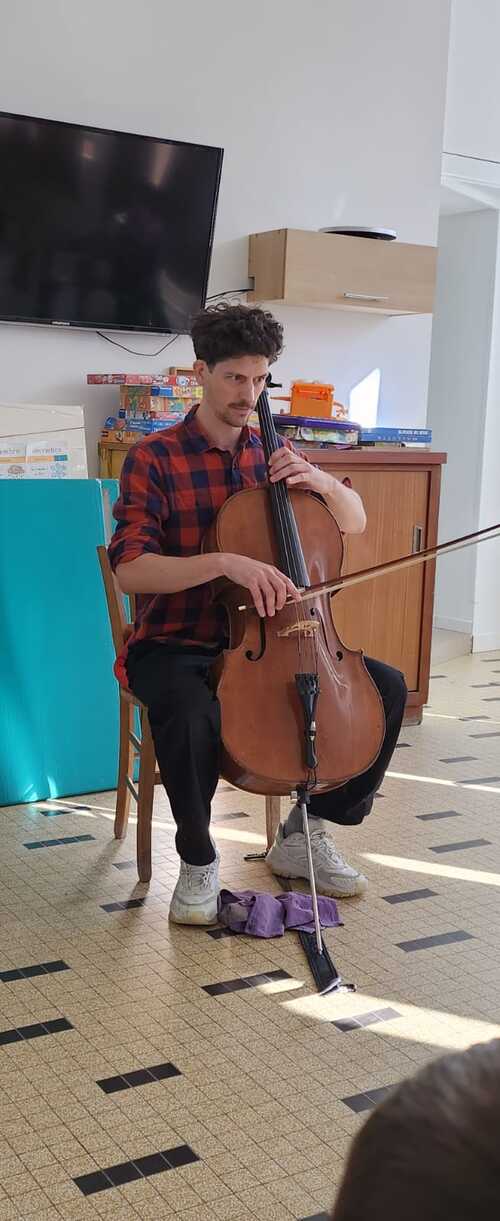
(288, 859)
(195, 897)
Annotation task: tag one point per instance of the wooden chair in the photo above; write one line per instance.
(134, 749)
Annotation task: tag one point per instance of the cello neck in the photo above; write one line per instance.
(292, 561)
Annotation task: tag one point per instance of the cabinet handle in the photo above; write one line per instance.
(416, 544)
(364, 297)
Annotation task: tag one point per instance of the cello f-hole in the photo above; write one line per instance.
(257, 656)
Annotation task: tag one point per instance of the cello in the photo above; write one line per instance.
(300, 711)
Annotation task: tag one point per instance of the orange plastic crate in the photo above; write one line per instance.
(312, 399)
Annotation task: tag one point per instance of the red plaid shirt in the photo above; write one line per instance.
(172, 485)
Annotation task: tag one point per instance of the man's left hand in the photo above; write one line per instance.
(297, 472)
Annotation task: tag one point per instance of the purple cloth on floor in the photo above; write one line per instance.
(265, 915)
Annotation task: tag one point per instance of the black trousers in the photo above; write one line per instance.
(184, 715)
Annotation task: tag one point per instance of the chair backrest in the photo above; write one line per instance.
(120, 625)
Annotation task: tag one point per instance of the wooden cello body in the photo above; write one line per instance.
(299, 708)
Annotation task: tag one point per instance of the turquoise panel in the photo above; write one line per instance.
(59, 706)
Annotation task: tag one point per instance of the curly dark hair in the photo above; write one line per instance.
(223, 331)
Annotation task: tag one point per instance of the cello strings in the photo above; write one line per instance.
(288, 526)
(290, 537)
(284, 513)
(284, 526)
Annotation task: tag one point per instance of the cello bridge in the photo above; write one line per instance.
(306, 627)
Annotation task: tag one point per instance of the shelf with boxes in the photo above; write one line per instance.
(147, 404)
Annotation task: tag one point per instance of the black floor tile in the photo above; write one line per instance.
(34, 1031)
(493, 734)
(236, 985)
(138, 1076)
(67, 839)
(460, 759)
(152, 1163)
(406, 896)
(90, 1183)
(317, 1217)
(474, 718)
(366, 1101)
(40, 968)
(360, 1020)
(182, 1155)
(55, 1025)
(30, 972)
(264, 977)
(378, 1095)
(9, 1036)
(140, 1167)
(440, 814)
(461, 846)
(491, 699)
(123, 1172)
(251, 981)
(66, 807)
(125, 865)
(111, 1085)
(403, 745)
(481, 780)
(346, 1024)
(358, 1103)
(426, 943)
(160, 1072)
(217, 933)
(123, 906)
(438, 676)
(479, 686)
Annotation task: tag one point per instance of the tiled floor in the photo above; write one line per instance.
(131, 1088)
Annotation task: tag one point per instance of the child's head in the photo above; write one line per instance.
(431, 1152)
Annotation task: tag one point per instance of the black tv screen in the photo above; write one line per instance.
(103, 229)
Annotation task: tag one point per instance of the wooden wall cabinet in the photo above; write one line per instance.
(297, 267)
(390, 617)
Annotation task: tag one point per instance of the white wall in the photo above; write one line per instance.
(324, 118)
(486, 629)
(472, 126)
(465, 363)
(458, 393)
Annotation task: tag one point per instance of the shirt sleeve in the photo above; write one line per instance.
(141, 509)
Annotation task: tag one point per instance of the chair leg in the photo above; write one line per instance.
(147, 769)
(125, 768)
(273, 815)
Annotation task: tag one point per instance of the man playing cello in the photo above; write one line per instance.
(173, 484)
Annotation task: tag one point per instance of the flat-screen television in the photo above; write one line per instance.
(103, 229)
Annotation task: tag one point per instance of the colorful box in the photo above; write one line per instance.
(120, 379)
(135, 400)
(177, 391)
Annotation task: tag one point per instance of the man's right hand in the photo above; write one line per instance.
(268, 586)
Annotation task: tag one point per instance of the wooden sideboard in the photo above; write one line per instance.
(391, 617)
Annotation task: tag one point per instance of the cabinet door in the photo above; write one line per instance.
(384, 616)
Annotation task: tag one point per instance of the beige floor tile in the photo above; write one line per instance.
(263, 1071)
